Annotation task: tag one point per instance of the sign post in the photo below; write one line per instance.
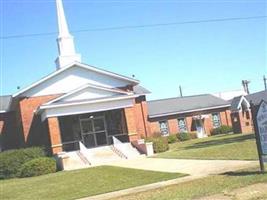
(260, 125)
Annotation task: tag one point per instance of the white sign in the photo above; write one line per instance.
(262, 126)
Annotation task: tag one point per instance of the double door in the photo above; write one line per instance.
(93, 131)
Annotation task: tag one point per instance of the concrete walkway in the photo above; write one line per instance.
(195, 168)
(192, 167)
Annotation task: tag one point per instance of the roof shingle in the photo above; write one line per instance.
(184, 104)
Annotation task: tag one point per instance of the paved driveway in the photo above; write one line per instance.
(192, 167)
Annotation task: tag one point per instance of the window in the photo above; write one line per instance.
(164, 128)
(182, 125)
(216, 120)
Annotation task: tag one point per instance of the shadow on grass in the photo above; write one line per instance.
(243, 173)
(221, 141)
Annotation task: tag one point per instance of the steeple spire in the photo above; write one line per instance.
(65, 41)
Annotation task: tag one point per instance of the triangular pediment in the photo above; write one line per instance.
(72, 77)
(89, 92)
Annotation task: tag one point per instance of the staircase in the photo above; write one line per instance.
(98, 156)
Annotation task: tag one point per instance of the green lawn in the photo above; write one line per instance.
(221, 147)
(202, 187)
(79, 183)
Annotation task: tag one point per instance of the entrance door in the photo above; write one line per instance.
(93, 132)
(199, 128)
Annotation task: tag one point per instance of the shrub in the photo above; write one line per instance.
(184, 136)
(221, 130)
(172, 139)
(12, 160)
(38, 166)
(160, 144)
(193, 135)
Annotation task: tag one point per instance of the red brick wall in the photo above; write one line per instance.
(189, 124)
(246, 122)
(136, 119)
(207, 122)
(173, 126)
(8, 131)
(54, 134)
(226, 118)
(131, 124)
(154, 127)
(27, 107)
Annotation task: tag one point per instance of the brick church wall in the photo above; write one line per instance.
(29, 121)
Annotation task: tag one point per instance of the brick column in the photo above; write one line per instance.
(54, 134)
(131, 123)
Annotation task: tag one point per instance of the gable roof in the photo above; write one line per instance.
(237, 103)
(5, 103)
(179, 105)
(256, 97)
(77, 64)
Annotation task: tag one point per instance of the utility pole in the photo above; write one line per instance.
(264, 81)
(245, 85)
(181, 92)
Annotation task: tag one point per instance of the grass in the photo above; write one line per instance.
(202, 187)
(79, 183)
(220, 147)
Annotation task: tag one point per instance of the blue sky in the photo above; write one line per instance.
(203, 58)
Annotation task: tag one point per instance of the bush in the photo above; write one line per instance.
(12, 160)
(193, 135)
(172, 139)
(38, 166)
(160, 144)
(184, 136)
(221, 130)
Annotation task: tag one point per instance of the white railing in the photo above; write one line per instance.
(83, 153)
(118, 147)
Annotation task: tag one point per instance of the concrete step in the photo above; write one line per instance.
(101, 155)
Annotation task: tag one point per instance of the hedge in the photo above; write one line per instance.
(12, 160)
(160, 144)
(221, 130)
(172, 139)
(184, 136)
(38, 166)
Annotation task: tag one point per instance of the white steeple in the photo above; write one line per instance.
(65, 41)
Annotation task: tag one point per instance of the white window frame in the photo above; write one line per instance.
(185, 123)
(167, 127)
(219, 118)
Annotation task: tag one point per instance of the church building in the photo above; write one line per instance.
(77, 102)
(80, 109)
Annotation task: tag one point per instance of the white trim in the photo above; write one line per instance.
(187, 111)
(45, 115)
(87, 102)
(88, 67)
(3, 111)
(84, 87)
(240, 102)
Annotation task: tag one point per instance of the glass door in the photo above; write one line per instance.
(100, 131)
(93, 132)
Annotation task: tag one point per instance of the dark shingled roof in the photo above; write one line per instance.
(257, 97)
(235, 102)
(184, 104)
(5, 102)
(138, 89)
